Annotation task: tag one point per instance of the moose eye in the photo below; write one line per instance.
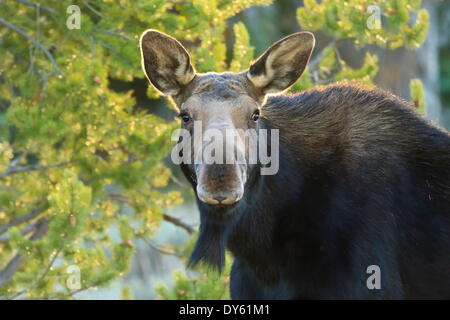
(185, 117)
(255, 116)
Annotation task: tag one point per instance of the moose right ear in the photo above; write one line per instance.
(166, 62)
(283, 63)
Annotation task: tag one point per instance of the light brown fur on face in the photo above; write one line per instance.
(219, 102)
(222, 101)
(220, 87)
(226, 96)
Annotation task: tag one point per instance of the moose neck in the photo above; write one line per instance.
(246, 227)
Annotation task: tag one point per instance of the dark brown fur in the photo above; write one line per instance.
(363, 180)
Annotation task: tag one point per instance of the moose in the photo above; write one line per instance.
(362, 189)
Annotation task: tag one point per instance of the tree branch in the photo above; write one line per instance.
(32, 167)
(314, 64)
(42, 277)
(155, 247)
(37, 6)
(22, 219)
(33, 41)
(86, 3)
(179, 223)
(8, 272)
(115, 34)
(20, 157)
(5, 238)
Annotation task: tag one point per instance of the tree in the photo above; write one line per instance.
(81, 170)
(387, 24)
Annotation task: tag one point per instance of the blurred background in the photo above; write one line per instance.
(86, 183)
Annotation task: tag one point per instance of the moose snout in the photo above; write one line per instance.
(221, 198)
(220, 184)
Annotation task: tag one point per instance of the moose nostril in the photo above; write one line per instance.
(219, 198)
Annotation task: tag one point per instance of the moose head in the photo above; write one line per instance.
(221, 102)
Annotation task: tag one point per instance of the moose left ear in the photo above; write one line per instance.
(166, 62)
(282, 63)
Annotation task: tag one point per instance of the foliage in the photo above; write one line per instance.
(205, 286)
(204, 283)
(418, 95)
(354, 20)
(344, 19)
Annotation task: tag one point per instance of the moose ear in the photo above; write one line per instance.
(282, 63)
(166, 62)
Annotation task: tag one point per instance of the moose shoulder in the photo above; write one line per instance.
(362, 181)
